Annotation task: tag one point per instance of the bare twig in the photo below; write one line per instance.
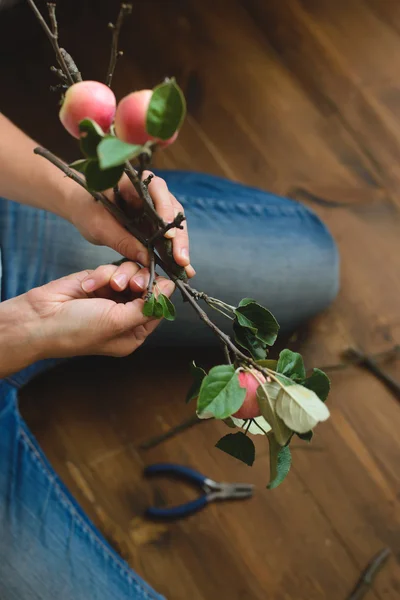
(53, 39)
(354, 360)
(53, 20)
(152, 272)
(158, 439)
(227, 355)
(143, 194)
(124, 11)
(177, 222)
(367, 577)
(363, 360)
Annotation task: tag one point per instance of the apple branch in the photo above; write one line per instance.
(53, 36)
(124, 11)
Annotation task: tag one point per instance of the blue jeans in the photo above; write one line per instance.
(244, 242)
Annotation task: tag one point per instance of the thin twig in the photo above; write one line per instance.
(143, 194)
(367, 362)
(227, 355)
(367, 577)
(176, 223)
(53, 20)
(53, 40)
(124, 11)
(152, 272)
(353, 360)
(158, 439)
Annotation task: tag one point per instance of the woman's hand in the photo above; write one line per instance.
(98, 226)
(91, 312)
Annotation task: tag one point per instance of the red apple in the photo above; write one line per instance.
(87, 100)
(249, 408)
(130, 119)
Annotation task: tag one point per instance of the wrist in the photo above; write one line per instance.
(19, 336)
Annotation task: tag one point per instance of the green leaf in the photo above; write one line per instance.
(245, 301)
(239, 446)
(91, 136)
(320, 384)
(300, 408)
(266, 396)
(112, 152)
(167, 306)
(220, 393)
(245, 338)
(166, 110)
(258, 319)
(99, 179)
(280, 460)
(148, 308)
(158, 310)
(291, 364)
(198, 375)
(268, 364)
(80, 165)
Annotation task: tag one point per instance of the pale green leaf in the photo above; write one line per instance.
(158, 309)
(258, 425)
(112, 152)
(220, 393)
(280, 460)
(267, 396)
(166, 110)
(300, 408)
(239, 446)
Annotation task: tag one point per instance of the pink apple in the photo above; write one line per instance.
(87, 100)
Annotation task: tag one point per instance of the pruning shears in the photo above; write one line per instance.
(212, 490)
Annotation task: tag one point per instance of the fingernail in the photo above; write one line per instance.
(184, 253)
(190, 272)
(121, 280)
(139, 282)
(167, 286)
(142, 258)
(88, 285)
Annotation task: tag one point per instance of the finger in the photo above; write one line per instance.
(166, 286)
(162, 200)
(180, 244)
(139, 281)
(190, 272)
(100, 277)
(122, 276)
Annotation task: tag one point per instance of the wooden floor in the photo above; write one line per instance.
(300, 97)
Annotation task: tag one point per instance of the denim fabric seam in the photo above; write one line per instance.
(253, 207)
(115, 560)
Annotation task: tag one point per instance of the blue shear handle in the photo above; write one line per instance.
(172, 469)
(177, 512)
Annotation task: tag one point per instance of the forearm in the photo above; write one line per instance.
(28, 178)
(18, 336)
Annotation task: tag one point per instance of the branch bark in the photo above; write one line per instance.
(124, 11)
(53, 37)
